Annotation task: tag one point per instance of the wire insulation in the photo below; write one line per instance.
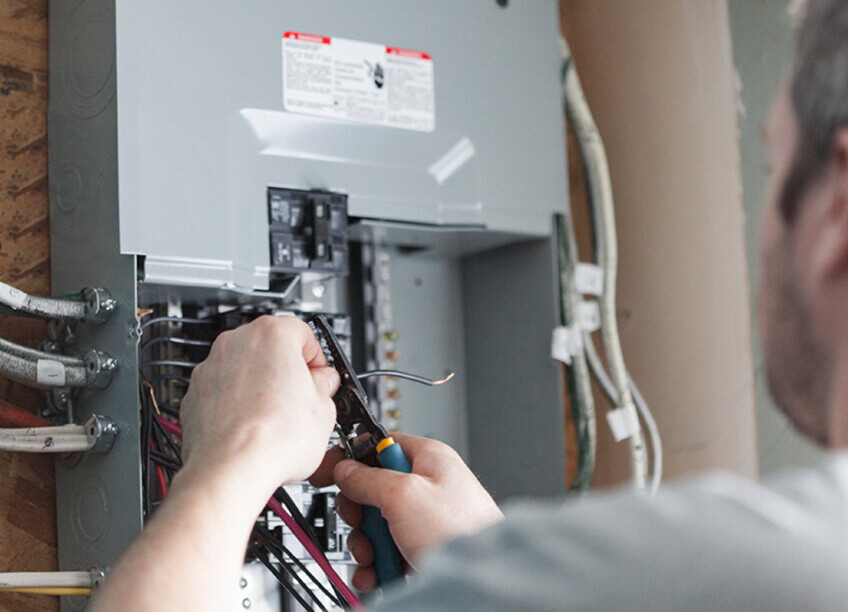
(610, 391)
(606, 248)
(60, 439)
(405, 376)
(10, 580)
(58, 591)
(16, 302)
(316, 554)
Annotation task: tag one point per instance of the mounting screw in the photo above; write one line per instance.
(242, 583)
(245, 603)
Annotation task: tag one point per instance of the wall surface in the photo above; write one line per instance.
(27, 519)
(659, 77)
(762, 48)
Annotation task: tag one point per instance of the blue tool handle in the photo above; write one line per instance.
(388, 561)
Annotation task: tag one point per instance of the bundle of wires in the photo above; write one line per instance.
(617, 385)
(161, 459)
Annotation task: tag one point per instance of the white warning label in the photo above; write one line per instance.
(358, 81)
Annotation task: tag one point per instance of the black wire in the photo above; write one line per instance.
(159, 363)
(145, 451)
(170, 410)
(173, 340)
(181, 320)
(168, 377)
(164, 460)
(282, 496)
(404, 375)
(263, 558)
(160, 429)
(271, 547)
(279, 549)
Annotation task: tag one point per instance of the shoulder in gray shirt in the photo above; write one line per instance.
(715, 543)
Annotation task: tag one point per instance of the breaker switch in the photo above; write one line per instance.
(320, 232)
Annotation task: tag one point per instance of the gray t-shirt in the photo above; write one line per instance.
(718, 542)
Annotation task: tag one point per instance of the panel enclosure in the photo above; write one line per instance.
(168, 138)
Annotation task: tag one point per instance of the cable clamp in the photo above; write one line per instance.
(100, 431)
(98, 577)
(623, 422)
(589, 315)
(566, 342)
(589, 279)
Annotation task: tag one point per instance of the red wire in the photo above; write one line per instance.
(316, 554)
(160, 475)
(310, 547)
(170, 427)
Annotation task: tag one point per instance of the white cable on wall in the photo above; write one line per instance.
(606, 247)
(609, 390)
(25, 580)
(61, 439)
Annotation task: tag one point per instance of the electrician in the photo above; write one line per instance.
(715, 543)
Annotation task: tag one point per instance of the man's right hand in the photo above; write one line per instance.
(440, 500)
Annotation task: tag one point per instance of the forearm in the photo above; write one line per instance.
(190, 554)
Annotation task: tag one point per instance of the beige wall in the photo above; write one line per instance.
(659, 77)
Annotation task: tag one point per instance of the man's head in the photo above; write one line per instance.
(803, 302)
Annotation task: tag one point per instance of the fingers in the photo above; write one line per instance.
(272, 327)
(361, 548)
(323, 476)
(373, 486)
(350, 511)
(326, 380)
(364, 579)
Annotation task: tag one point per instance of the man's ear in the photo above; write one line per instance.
(832, 247)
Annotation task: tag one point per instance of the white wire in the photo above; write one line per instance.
(26, 580)
(653, 432)
(600, 187)
(62, 439)
(641, 405)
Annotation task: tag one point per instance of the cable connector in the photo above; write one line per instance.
(99, 305)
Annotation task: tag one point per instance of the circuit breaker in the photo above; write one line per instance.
(393, 165)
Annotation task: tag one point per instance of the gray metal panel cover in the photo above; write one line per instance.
(98, 501)
(202, 129)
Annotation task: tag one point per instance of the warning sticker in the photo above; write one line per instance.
(358, 81)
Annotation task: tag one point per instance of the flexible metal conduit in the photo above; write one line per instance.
(21, 363)
(48, 308)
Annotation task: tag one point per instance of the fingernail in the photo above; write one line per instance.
(344, 469)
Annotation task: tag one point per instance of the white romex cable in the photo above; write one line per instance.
(601, 199)
(28, 580)
(61, 439)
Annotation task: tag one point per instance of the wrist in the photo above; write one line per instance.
(229, 490)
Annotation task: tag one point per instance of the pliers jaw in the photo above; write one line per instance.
(353, 418)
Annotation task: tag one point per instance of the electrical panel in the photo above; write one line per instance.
(392, 165)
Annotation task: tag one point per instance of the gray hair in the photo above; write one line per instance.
(819, 91)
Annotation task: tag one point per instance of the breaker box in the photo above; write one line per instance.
(394, 164)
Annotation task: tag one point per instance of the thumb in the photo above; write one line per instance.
(326, 380)
(368, 485)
